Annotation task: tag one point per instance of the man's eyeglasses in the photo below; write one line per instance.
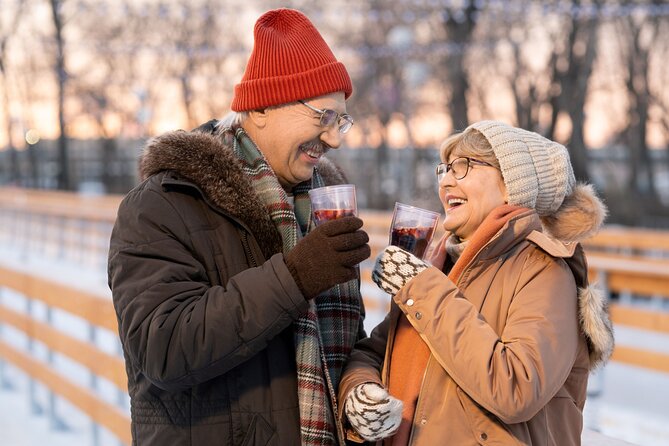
(330, 117)
(459, 167)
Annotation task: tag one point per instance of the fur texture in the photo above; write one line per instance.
(596, 325)
(210, 164)
(580, 216)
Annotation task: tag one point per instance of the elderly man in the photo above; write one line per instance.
(235, 314)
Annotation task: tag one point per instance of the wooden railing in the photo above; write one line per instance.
(76, 229)
(94, 309)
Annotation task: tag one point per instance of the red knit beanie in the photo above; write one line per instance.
(290, 61)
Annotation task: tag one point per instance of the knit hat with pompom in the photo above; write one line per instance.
(538, 175)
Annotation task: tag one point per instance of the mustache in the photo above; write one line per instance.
(315, 146)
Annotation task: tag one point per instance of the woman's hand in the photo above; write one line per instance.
(372, 412)
(395, 267)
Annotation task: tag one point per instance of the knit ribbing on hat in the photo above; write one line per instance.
(290, 61)
(537, 172)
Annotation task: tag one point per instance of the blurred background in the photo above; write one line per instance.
(84, 83)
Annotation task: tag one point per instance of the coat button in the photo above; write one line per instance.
(409, 302)
(484, 436)
(423, 421)
(419, 315)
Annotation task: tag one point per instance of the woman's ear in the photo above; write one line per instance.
(504, 190)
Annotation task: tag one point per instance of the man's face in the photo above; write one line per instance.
(293, 140)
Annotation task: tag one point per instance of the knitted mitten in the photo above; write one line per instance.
(394, 267)
(372, 412)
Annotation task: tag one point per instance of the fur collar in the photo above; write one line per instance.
(203, 161)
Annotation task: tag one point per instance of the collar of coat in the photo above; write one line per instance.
(593, 312)
(200, 159)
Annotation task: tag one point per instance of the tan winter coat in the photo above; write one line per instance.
(509, 358)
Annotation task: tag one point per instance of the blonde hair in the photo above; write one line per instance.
(470, 143)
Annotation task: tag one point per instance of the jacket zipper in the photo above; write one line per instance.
(247, 248)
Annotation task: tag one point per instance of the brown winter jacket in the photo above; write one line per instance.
(509, 359)
(205, 302)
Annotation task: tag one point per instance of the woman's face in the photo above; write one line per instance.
(468, 201)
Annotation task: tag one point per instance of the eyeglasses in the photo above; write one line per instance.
(459, 167)
(329, 117)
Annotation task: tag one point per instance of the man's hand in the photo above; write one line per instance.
(328, 255)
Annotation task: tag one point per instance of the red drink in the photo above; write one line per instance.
(413, 240)
(323, 215)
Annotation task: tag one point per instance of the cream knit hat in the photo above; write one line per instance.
(537, 172)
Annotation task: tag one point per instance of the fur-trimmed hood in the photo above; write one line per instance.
(596, 325)
(593, 312)
(580, 215)
(201, 159)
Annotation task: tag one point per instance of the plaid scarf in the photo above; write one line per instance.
(325, 335)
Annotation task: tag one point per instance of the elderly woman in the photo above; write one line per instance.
(493, 342)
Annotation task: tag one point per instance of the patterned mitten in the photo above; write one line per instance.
(372, 412)
(394, 267)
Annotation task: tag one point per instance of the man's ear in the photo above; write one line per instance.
(258, 117)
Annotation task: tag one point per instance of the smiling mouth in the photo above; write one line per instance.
(456, 202)
(314, 151)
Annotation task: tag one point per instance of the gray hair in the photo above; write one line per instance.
(232, 119)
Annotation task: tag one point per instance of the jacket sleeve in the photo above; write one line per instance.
(512, 374)
(366, 361)
(175, 327)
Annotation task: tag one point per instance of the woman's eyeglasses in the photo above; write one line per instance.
(459, 166)
(329, 117)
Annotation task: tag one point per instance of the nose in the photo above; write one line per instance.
(331, 137)
(447, 180)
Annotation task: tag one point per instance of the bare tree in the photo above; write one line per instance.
(13, 18)
(64, 180)
(572, 68)
(560, 82)
(459, 24)
(637, 35)
(382, 94)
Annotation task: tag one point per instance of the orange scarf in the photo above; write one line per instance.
(409, 356)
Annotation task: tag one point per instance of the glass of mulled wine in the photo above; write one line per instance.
(333, 202)
(412, 228)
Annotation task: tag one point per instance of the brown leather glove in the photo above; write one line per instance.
(328, 255)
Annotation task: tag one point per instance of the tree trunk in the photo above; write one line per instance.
(459, 33)
(187, 95)
(64, 180)
(13, 173)
(573, 86)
